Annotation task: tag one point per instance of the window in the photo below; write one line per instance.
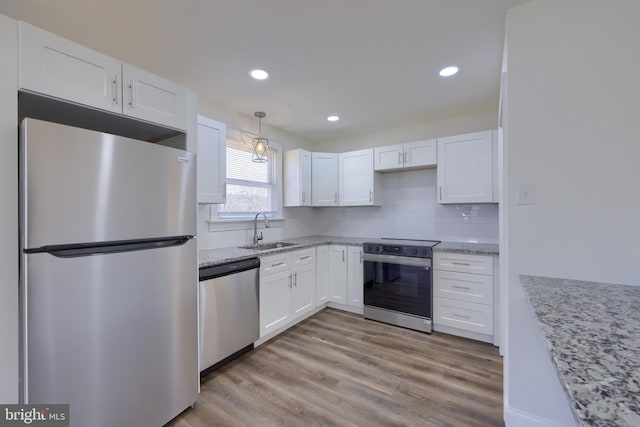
(251, 187)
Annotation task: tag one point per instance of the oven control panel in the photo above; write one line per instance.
(400, 250)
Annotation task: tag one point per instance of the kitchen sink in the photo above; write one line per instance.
(265, 246)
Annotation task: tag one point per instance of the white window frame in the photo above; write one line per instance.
(244, 221)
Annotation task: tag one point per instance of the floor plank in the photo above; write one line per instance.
(338, 369)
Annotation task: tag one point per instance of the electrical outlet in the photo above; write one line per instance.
(526, 194)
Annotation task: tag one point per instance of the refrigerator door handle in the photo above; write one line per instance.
(101, 248)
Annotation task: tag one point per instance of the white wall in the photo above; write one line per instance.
(8, 211)
(573, 92)
(408, 199)
(427, 129)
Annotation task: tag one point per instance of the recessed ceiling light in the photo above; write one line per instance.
(259, 74)
(448, 71)
(333, 118)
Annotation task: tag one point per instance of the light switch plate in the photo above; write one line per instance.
(526, 194)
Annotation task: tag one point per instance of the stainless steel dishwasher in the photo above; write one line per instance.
(229, 312)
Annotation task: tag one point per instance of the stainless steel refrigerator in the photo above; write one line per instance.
(108, 276)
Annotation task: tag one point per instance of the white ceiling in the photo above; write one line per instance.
(374, 63)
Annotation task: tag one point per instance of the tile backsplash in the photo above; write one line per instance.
(408, 210)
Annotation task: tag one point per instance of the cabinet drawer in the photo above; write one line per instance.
(303, 257)
(275, 263)
(463, 263)
(463, 315)
(476, 288)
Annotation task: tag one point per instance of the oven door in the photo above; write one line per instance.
(397, 283)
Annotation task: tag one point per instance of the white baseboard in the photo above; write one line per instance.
(516, 418)
(462, 333)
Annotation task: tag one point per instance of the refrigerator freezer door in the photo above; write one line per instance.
(114, 336)
(84, 186)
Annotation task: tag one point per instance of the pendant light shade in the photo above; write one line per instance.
(260, 144)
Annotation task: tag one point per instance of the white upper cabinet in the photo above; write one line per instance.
(56, 67)
(324, 179)
(297, 178)
(357, 179)
(411, 155)
(467, 168)
(211, 161)
(63, 69)
(153, 98)
(389, 157)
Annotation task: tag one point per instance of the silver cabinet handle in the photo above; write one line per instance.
(305, 257)
(461, 316)
(303, 197)
(460, 263)
(460, 287)
(289, 280)
(441, 193)
(277, 264)
(114, 87)
(335, 197)
(360, 257)
(295, 279)
(405, 157)
(131, 90)
(371, 195)
(343, 255)
(399, 158)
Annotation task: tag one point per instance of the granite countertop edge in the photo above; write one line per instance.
(212, 257)
(600, 388)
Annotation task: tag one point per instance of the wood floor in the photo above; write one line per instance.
(337, 369)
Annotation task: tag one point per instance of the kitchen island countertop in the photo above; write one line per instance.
(592, 331)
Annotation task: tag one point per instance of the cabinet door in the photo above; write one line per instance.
(152, 98)
(324, 179)
(297, 178)
(465, 168)
(211, 161)
(356, 178)
(60, 68)
(275, 301)
(388, 158)
(355, 289)
(474, 288)
(322, 275)
(304, 288)
(338, 274)
(420, 153)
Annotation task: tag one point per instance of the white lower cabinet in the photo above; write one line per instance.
(463, 301)
(338, 274)
(322, 275)
(355, 288)
(287, 288)
(345, 276)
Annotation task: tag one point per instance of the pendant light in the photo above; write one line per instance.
(260, 144)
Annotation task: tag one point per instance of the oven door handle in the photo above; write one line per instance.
(401, 260)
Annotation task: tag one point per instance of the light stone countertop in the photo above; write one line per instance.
(211, 257)
(592, 331)
(468, 248)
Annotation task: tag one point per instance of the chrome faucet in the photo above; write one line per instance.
(257, 238)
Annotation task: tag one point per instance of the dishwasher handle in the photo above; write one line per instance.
(227, 268)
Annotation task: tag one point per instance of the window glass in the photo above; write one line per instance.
(250, 185)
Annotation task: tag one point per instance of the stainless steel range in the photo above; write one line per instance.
(398, 282)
